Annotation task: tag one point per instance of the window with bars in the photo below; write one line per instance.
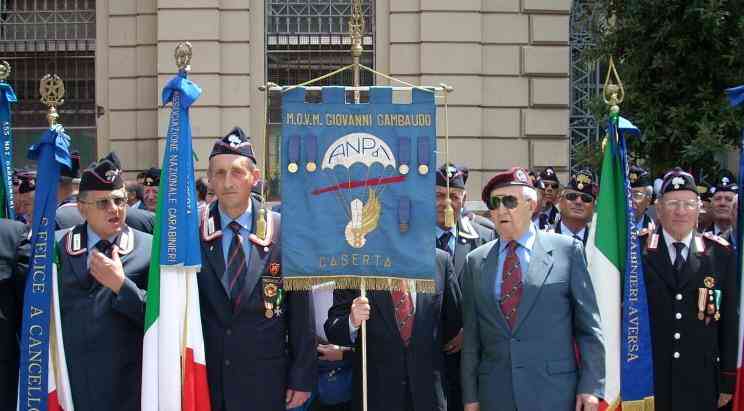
(51, 36)
(306, 39)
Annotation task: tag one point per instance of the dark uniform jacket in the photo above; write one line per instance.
(694, 360)
(251, 359)
(103, 331)
(67, 214)
(470, 235)
(14, 253)
(396, 374)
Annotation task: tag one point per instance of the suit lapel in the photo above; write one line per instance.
(489, 269)
(660, 264)
(386, 308)
(76, 242)
(212, 237)
(541, 261)
(423, 313)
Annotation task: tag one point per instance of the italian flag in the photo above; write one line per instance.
(174, 372)
(58, 385)
(605, 251)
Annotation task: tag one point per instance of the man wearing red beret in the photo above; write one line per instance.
(527, 298)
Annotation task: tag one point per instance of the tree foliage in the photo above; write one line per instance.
(675, 58)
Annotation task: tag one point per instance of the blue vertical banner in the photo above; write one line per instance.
(359, 203)
(7, 96)
(179, 215)
(637, 369)
(50, 154)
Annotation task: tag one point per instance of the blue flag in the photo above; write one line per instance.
(50, 153)
(637, 371)
(178, 211)
(358, 189)
(7, 96)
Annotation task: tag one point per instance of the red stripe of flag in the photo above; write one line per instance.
(360, 183)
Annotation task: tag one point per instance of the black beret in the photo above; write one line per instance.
(152, 177)
(26, 181)
(536, 180)
(639, 177)
(584, 181)
(457, 175)
(705, 190)
(516, 176)
(678, 180)
(726, 182)
(235, 142)
(105, 175)
(74, 170)
(549, 175)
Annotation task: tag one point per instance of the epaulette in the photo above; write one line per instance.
(208, 228)
(652, 242)
(74, 242)
(717, 239)
(269, 238)
(126, 241)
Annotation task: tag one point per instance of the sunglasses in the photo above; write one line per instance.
(510, 202)
(103, 203)
(554, 186)
(584, 197)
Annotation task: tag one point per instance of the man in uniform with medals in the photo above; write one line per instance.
(259, 340)
(103, 266)
(692, 299)
(550, 196)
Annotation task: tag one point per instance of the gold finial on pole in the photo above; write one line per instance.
(52, 90)
(261, 222)
(4, 70)
(183, 54)
(449, 211)
(613, 93)
(356, 29)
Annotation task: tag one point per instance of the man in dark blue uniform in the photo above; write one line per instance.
(150, 188)
(14, 253)
(103, 267)
(464, 237)
(550, 195)
(67, 214)
(724, 197)
(259, 340)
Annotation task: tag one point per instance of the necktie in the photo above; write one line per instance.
(403, 305)
(235, 269)
(679, 260)
(443, 242)
(511, 286)
(578, 237)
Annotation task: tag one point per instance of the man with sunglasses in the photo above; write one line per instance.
(577, 206)
(528, 301)
(551, 193)
(705, 191)
(642, 193)
(464, 237)
(103, 266)
(693, 300)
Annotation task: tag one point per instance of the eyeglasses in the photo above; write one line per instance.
(510, 202)
(639, 195)
(685, 204)
(584, 197)
(554, 186)
(103, 203)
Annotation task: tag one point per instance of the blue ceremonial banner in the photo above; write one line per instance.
(51, 153)
(352, 207)
(178, 210)
(7, 96)
(637, 372)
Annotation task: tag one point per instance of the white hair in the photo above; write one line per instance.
(529, 193)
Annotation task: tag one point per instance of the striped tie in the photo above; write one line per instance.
(403, 305)
(235, 272)
(511, 287)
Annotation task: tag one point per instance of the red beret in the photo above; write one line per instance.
(516, 176)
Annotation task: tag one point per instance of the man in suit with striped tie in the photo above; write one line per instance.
(259, 340)
(528, 301)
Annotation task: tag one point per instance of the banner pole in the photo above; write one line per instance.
(363, 290)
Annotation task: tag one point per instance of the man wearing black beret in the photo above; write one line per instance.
(550, 195)
(725, 194)
(642, 193)
(103, 266)
(577, 205)
(260, 347)
(151, 186)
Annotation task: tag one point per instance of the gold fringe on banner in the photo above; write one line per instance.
(345, 282)
(646, 404)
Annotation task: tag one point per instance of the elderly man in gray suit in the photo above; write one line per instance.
(527, 302)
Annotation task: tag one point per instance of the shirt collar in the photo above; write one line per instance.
(566, 230)
(440, 231)
(94, 238)
(669, 240)
(527, 240)
(245, 220)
